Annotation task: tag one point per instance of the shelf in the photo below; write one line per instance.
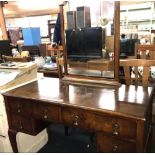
(136, 21)
(138, 14)
(136, 9)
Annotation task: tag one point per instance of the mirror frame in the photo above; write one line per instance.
(116, 48)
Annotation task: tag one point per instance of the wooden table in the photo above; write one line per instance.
(120, 117)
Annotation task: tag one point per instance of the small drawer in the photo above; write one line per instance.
(111, 144)
(21, 124)
(20, 106)
(46, 112)
(106, 123)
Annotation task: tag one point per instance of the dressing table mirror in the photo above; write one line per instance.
(91, 50)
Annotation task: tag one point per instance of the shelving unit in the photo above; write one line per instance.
(141, 16)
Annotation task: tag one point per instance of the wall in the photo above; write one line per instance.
(35, 21)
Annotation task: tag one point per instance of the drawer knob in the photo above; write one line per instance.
(18, 108)
(20, 125)
(75, 119)
(115, 148)
(115, 128)
(45, 114)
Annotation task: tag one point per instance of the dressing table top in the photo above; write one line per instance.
(125, 100)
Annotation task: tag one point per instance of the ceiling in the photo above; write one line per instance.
(23, 8)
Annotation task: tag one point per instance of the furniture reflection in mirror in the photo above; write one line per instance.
(137, 71)
(89, 51)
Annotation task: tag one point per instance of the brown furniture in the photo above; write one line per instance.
(33, 50)
(101, 64)
(51, 26)
(146, 51)
(96, 64)
(48, 50)
(16, 59)
(144, 77)
(120, 117)
(49, 73)
(54, 51)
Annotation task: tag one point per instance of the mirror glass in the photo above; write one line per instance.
(90, 40)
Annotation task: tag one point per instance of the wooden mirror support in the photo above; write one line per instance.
(91, 79)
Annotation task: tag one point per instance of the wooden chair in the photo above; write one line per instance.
(146, 51)
(142, 77)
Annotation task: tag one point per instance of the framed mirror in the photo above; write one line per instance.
(91, 45)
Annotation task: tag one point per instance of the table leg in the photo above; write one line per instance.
(12, 136)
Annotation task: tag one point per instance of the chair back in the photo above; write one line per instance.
(146, 51)
(139, 76)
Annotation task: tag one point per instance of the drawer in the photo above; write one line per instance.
(21, 124)
(111, 144)
(96, 122)
(19, 106)
(46, 111)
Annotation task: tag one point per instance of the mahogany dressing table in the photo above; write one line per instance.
(120, 117)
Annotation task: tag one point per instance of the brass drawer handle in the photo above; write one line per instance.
(18, 108)
(45, 114)
(20, 125)
(75, 119)
(115, 148)
(115, 128)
